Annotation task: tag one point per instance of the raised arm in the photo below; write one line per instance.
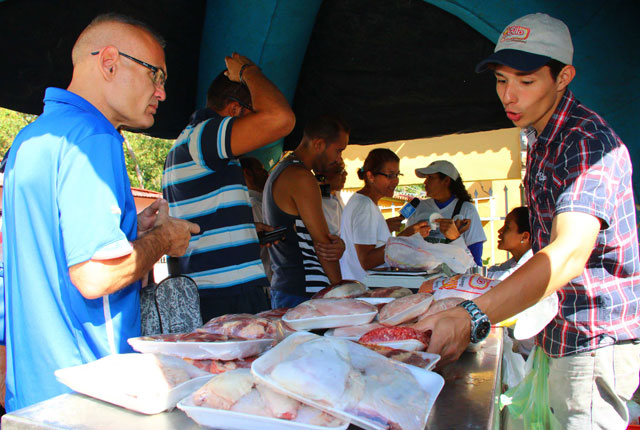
(272, 117)
(159, 234)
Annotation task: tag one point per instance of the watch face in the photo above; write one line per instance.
(482, 331)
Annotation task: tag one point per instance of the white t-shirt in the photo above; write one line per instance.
(362, 224)
(426, 207)
(333, 207)
(501, 271)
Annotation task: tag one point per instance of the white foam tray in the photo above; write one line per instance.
(330, 321)
(225, 350)
(230, 420)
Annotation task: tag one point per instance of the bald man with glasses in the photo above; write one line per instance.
(74, 248)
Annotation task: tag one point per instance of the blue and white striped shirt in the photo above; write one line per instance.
(204, 184)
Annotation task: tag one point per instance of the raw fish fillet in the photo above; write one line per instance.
(279, 405)
(355, 330)
(224, 390)
(394, 292)
(317, 371)
(405, 308)
(252, 403)
(343, 290)
(441, 305)
(328, 307)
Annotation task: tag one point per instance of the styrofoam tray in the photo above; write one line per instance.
(226, 350)
(430, 382)
(330, 321)
(230, 420)
(376, 300)
(79, 378)
(407, 345)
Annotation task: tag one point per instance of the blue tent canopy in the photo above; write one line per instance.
(394, 70)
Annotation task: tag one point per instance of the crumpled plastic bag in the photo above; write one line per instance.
(513, 365)
(529, 400)
(414, 252)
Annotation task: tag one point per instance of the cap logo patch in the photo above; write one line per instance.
(515, 33)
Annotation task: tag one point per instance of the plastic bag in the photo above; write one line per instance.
(468, 287)
(513, 365)
(529, 400)
(414, 252)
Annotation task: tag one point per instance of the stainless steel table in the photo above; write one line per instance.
(467, 401)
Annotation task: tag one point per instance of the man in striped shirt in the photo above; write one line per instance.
(204, 184)
(582, 216)
(308, 259)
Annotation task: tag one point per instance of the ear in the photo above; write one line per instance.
(565, 77)
(526, 236)
(369, 176)
(318, 145)
(108, 62)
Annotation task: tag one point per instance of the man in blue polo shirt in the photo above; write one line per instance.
(204, 183)
(74, 249)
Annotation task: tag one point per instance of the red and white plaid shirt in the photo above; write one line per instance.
(579, 164)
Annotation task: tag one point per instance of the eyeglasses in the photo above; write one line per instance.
(389, 175)
(159, 75)
(243, 104)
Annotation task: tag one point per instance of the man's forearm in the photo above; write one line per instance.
(573, 237)
(332, 270)
(264, 94)
(96, 278)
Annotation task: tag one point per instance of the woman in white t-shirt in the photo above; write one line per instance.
(364, 229)
(449, 207)
(514, 237)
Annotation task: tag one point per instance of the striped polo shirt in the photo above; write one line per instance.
(204, 184)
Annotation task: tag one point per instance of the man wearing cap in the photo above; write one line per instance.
(204, 183)
(449, 208)
(582, 215)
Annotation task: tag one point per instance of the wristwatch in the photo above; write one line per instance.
(480, 324)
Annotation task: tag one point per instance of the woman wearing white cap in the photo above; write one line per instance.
(450, 208)
(364, 229)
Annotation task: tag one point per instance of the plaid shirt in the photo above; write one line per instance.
(579, 164)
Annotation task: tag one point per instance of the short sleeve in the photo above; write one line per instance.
(88, 202)
(211, 142)
(475, 233)
(365, 222)
(588, 177)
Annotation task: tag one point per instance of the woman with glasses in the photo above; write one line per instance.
(364, 229)
(449, 208)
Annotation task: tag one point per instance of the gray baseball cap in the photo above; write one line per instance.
(528, 43)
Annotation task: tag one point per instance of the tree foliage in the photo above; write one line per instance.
(150, 152)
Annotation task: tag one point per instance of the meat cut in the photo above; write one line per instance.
(343, 290)
(328, 307)
(394, 334)
(245, 326)
(405, 309)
